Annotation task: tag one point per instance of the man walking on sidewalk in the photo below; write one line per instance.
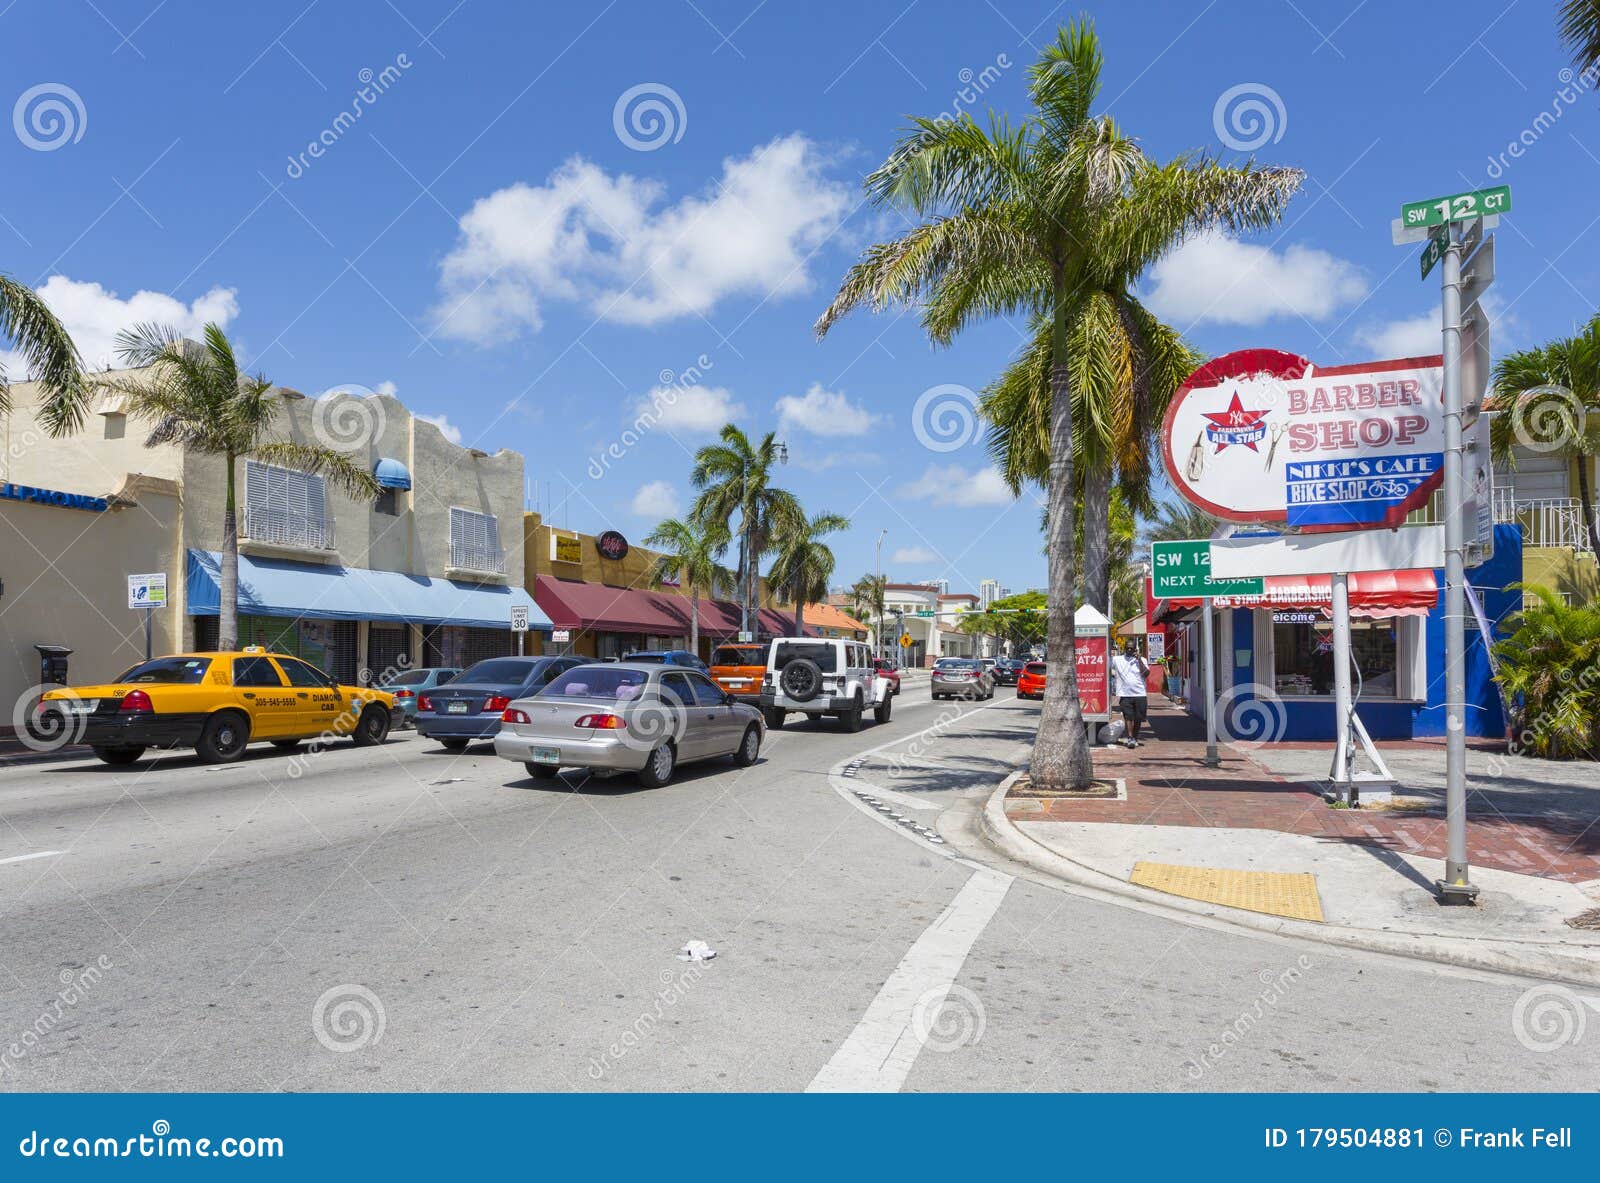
(1128, 674)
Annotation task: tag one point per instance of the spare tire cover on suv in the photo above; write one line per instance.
(801, 679)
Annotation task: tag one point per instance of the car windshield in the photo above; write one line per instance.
(735, 655)
(821, 653)
(597, 681)
(503, 670)
(184, 670)
(414, 678)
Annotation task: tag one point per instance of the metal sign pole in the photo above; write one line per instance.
(1342, 707)
(1208, 662)
(147, 653)
(1455, 887)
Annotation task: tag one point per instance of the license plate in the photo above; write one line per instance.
(458, 707)
(80, 706)
(545, 755)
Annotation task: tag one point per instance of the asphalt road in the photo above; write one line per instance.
(402, 918)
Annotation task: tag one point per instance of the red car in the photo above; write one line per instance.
(889, 672)
(1030, 683)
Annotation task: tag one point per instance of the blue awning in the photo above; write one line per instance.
(269, 587)
(391, 474)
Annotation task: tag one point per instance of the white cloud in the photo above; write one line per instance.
(94, 316)
(823, 412)
(616, 244)
(914, 554)
(1219, 280)
(388, 388)
(442, 422)
(690, 408)
(657, 499)
(1420, 335)
(952, 485)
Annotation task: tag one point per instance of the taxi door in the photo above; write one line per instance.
(322, 705)
(274, 710)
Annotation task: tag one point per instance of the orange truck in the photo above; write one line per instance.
(740, 668)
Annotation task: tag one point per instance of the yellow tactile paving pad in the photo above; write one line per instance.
(1277, 893)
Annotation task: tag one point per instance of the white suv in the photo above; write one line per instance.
(823, 677)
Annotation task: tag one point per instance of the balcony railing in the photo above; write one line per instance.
(278, 528)
(487, 560)
(1545, 521)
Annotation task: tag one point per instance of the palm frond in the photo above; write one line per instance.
(346, 472)
(52, 359)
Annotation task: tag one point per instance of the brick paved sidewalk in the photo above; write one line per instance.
(1169, 785)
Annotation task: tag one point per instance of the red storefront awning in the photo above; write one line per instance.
(576, 604)
(1372, 593)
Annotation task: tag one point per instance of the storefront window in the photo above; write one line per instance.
(1302, 644)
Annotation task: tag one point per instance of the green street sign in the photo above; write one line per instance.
(1434, 251)
(925, 615)
(1182, 570)
(1459, 207)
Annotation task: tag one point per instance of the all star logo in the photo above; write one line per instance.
(1236, 426)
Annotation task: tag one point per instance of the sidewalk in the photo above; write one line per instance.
(1533, 838)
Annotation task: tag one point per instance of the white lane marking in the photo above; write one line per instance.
(23, 858)
(879, 1054)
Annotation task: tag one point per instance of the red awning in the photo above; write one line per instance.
(1372, 593)
(576, 604)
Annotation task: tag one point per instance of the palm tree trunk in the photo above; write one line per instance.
(1097, 537)
(694, 622)
(1061, 749)
(799, 616)
(1590, 512)
(228, 589)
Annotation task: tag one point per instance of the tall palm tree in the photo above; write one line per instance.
(866, 599)
(1179, 521)
(804, 563)
(52, 358)
(692, 558)
(734, 477)
(1030, 220)
(1565, 421)
(194, 395)
(1580, 29)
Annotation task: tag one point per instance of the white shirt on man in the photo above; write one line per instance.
(1126, 679)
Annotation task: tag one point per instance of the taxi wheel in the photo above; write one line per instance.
(119, 755)
(372, 727)
(224, 738)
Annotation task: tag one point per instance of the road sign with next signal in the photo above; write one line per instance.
(1182, 570)
(1459, 207)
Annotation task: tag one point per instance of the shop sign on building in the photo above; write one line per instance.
(565, 550)
(611, 545)
(1265, 436)
(54, 497)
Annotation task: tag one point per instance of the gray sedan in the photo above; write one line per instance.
(628, 717)
(961, 677)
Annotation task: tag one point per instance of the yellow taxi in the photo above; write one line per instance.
(216, 703)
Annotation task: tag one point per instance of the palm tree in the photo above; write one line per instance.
(52, 358)
(804, 563)
(194, 395)
(1032, 220)
(1548, 398)
(693, 559)
(1178, 521)
(1580, 29)
(1550, 669)
(866, 599)
(734, 478)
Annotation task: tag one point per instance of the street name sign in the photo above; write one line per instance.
(148, 591)
(1458, 207)
(1182, 570)
(1434, 251)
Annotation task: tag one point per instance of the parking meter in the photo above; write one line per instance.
(53, 664)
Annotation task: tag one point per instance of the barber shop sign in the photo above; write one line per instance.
(1265, 436)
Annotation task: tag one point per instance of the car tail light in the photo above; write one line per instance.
(599, 722)
(497, 702)
(424, 702)
(405, 693)
(136, 702)
(512, 715)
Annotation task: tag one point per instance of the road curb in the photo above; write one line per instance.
(1505, 957)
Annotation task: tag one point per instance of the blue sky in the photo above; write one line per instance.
(487, 241)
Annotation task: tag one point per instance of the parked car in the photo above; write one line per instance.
(405, 688)
(216, 703)
(1031, 682)
(469, 706)
(738, 669)
(890, 672)
(640, 717)
(668, 657)
(823, 676)
(1006, 671)
(961, 677)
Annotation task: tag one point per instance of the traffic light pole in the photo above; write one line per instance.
(1455, 887)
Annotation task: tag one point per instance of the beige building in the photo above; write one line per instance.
(428, 573)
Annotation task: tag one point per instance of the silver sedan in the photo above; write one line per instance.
(628, 717)
(960, 677)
